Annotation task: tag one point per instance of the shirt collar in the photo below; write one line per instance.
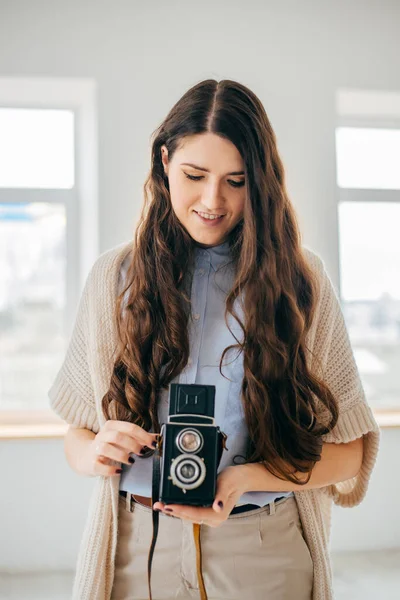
(217, 255)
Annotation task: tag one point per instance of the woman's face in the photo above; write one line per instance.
(218, 187)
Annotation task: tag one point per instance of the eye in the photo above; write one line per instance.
(235, 184)
(192, 177)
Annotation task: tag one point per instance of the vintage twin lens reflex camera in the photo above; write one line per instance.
(191, 446)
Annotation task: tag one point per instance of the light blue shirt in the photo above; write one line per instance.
(212, 278)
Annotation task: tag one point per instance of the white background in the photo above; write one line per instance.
(144, 56)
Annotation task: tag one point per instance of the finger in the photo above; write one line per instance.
(138, 434)
(192, 513)
(196, 520)
(104, 469)
(123, 442)
(109, 451)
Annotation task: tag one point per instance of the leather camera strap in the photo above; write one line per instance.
(155, 514)
(155, 492)
(196, 535)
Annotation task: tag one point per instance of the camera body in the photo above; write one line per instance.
(191, 447)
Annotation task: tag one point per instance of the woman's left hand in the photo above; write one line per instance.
(230, 487)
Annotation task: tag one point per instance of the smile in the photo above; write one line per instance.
(209, 217)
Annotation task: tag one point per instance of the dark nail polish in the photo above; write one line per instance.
(131, 459)
(221, 504)
(154, 444)
(144, 450)
(119, 471)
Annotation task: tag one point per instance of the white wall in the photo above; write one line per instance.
(144, 56)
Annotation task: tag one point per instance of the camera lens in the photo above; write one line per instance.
(189, 440)
(188, 472)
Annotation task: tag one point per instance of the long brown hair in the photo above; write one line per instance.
(280, 291)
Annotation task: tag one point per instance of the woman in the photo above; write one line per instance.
(216, 270)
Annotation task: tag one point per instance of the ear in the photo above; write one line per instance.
(164, 158)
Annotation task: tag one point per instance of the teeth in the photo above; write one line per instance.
(210, 217)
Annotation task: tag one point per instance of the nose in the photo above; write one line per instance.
(212, 200)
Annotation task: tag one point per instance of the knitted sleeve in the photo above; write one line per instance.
(71, 394)
(341, 374)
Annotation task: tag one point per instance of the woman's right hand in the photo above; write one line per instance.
(115, 441)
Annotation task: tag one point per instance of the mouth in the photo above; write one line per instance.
(210, 220)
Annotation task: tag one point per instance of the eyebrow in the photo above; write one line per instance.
(207, 170)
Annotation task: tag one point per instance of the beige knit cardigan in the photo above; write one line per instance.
(84, 378)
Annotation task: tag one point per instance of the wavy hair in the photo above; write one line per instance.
(279, 393)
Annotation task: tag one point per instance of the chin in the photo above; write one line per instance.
(208, 242)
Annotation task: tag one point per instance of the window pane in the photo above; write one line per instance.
(36, 148)
(370, 290)
(368, 158)
(32, 302)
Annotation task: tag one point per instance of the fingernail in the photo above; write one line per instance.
(131, 459)
(221, 504)
(154, 444)
(144, 450)
(119, 471)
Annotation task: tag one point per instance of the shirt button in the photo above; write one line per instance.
(196, 316)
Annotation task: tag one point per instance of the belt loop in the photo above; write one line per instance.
(272, 507)
(128, 501)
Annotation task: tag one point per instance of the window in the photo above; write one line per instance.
(32, 301)
(368, 178)
(370, 291)
(368, 158)
(48, 233)
(36, 148)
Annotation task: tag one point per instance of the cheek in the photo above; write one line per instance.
(182, 199)
(181, 205)
(239, 209)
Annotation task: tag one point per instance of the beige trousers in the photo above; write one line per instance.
(256, 555)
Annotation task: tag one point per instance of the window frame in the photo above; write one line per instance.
(81, 204)
(370, 119)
